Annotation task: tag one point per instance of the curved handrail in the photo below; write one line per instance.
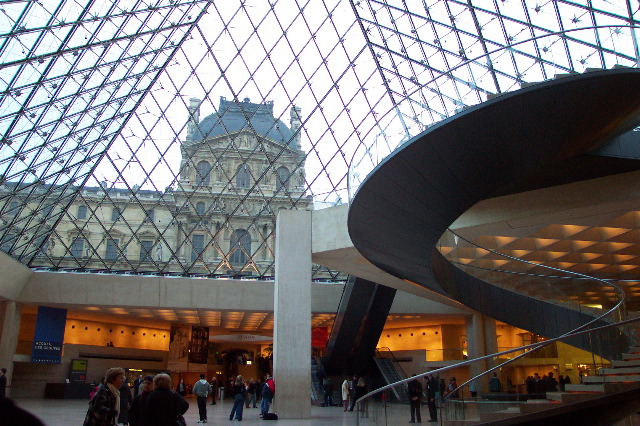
(368, 149)
(572, 333)
(533, 347)
(527, 349)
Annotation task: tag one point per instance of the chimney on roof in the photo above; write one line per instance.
(295, 123)
(194, 117)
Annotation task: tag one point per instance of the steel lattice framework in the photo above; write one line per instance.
(96, 112)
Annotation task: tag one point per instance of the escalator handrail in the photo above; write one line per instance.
(393, 357)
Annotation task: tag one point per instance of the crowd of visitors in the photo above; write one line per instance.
(155, 403)
(537, 386)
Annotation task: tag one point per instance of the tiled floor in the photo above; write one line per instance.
(56, 412)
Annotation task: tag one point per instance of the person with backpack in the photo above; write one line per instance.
(201, 390)
(268, 392)
(415, 399)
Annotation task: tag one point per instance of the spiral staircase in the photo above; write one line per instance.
(536, 137)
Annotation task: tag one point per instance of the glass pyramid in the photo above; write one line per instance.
(163, 136)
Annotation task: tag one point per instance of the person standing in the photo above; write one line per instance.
(182, 388)
(494, 384)
(473, 388)
(268, 392)
(201, 390)
(251, 393)
(136, 385)
(361, 390)
(415, 399)
(551, 384)
(3, 382)
(238, 399)
(125, 403)
(453, 388)
(432, 390)
(163, 405)
(345, 394)
(104, 408)
(137, 405)
(214, 389)
(327, 388)
(352, 392)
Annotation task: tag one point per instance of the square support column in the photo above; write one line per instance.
(481, 340)
(11, 315)
(292, 315)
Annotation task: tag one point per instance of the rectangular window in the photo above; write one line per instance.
(198, 247)
(145, 250)
(112, 249)
(148, 216)
(115, 214)
(77, 247)
(82, 212)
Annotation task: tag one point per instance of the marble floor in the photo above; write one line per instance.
(56, 412)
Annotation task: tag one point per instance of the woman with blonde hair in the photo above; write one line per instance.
(238, 393)
(104, 408)
(163, 407)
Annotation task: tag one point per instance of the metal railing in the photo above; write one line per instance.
(605, 325)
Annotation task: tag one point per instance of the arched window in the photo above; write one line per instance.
(203, 172)
(242, 176)
(240, 247)
(283, 179)
(200, 207)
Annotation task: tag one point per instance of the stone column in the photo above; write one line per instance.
(481, 340)
(292, 315)
(11, 313)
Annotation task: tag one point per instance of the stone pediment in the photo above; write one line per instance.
(244, 140)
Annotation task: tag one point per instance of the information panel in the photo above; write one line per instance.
(49, 335)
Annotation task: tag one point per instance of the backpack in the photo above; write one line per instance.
(270, 416)
(266, 391)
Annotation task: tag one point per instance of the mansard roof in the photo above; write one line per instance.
(234, 115)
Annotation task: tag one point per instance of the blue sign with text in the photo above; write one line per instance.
(49, 335)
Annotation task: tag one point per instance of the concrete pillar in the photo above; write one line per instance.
(11, 313)
(292, 315)
(481, 340)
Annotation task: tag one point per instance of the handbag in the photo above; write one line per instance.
(180, 421)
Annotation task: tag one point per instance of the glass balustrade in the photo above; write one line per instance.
(604, 335)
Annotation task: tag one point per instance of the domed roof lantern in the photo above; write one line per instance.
(237, 115)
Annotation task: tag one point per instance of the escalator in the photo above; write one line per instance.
(356, 331)
(392, 372)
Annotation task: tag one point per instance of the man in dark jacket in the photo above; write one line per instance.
(163, 405)
(432, 388)
(415, 399)
(135, 411)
